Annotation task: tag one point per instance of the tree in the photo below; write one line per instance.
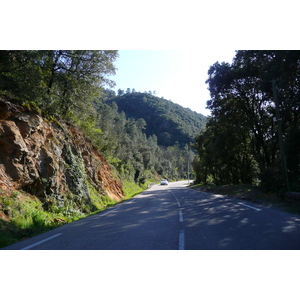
(60, 82)
(120, 92)
(22, 74)
(241, 136)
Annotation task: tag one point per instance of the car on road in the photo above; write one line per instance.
(164, 182)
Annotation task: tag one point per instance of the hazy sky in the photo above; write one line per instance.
(176, 75)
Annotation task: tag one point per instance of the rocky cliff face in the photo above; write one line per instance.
(51, 160)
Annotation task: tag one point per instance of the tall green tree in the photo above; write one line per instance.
(22, 74)
(60, 82)
(241, 139)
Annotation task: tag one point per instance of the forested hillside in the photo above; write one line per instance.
(169, 121)
(253, 134)
(136, 153)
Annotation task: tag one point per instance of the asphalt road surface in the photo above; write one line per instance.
(175, 217)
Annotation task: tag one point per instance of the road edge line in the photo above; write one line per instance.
(258, 209)
(42, 241)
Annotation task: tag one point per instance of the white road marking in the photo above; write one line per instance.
(180, 216)
(174, 196)
(109, 212)
(42, 241)
(181, 232)
(258, 209)
(181, 240)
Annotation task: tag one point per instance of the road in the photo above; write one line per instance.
(175, 217)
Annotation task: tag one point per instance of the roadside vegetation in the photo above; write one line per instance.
(23, 215)
(250, 138)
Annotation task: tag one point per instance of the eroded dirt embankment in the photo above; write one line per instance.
(51, 160)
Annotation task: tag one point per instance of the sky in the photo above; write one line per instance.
(176, 75)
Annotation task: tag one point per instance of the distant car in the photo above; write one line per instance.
(164, 182)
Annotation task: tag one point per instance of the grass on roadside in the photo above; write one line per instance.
(99, 202)
(23, 215)
(131, 189)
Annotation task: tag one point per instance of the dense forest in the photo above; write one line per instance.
(253, 133)
(150, 142)
(170, 122)
(134, 146)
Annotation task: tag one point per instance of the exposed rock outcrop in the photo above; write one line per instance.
(51, 160)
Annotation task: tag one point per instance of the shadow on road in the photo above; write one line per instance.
(220, 222)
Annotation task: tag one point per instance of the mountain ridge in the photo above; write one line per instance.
(169, 121)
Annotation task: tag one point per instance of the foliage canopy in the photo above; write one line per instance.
(60, 82)
(240, 143)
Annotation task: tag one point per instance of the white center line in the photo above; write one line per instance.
(174, 195)
(181, 232)
(258, 209)
(180, 216)
(181, 240)
(42, 241)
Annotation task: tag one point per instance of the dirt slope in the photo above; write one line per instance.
(51, 160)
